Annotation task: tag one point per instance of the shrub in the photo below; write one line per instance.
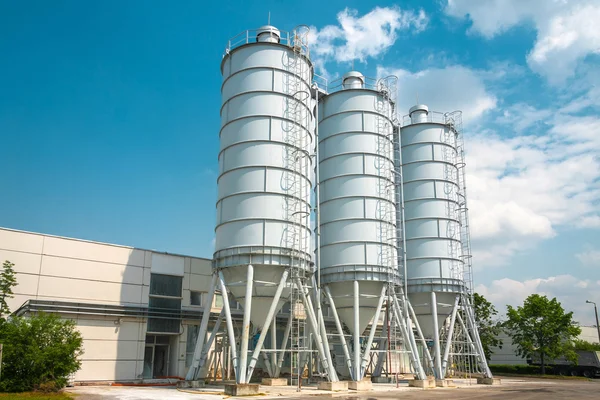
(523, 369)
(40, 352)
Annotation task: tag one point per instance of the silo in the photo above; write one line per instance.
(436, 229)
(356, 200)
(262, 232)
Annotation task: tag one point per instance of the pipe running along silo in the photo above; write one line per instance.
(436, 230)
(358, 252)
(262, 233)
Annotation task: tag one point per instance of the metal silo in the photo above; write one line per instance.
(358, 244)
(438, 259)
(262, 250)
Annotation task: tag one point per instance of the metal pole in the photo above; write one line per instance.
(338, 325)
(209, 344)
(246, 324)
(410, 338)
(449, 337)
(367, 351)
(230, 331)
(597, 324)
(284, 341)
(191, 374)
(274, 346)
(436, 337)
(421, 336)
(356, 332)
(263, 333)
(325, 358)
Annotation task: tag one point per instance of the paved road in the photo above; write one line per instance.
(511, 389)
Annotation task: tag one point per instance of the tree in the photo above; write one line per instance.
(541, 327)
(584, 345)
(40, 352)
(8, 280)
(488, 328)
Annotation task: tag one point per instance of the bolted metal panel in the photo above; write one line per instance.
(356, 197)
(432, 221)
(263, 204)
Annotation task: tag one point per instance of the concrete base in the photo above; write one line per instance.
(423, 384)
(360, 385)
(334, 386)
(274, 382)
(242, 389)
(444, 383)
(382, 379)
(488, 381)
(190, 384)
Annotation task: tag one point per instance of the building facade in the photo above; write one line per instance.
(137, 310)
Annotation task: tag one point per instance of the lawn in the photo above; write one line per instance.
(35, 395)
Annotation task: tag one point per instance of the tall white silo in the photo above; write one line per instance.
(262, 232)
(358, 252)
(436, 230)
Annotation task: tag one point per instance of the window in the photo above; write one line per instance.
(218, 300)
(164, 304)
(192, 335)
(196, 298)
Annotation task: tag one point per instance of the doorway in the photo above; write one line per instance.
(156, 357)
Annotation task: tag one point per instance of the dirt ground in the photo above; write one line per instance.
(511, 389)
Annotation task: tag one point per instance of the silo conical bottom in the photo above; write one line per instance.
(421, 303)
(266, 279)
(343, 296)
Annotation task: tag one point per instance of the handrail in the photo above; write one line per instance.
(296, 39)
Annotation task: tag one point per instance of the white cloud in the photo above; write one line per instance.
(360, 37)
(446, 89)
(572, 292)
(566, 30)
(589, 258)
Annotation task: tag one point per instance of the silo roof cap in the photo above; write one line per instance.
(268, 29)
(418, 107)
(353, 74)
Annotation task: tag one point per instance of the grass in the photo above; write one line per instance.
(36, 396)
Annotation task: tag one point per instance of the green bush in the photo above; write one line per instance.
(39, 353)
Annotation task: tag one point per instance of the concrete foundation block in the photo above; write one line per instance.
(190, 384)
(340, 386)
(242, 389)
(488, 381)
(382, 379)
(274, 382)
(444, 383)
(360, 385)
(422, 383)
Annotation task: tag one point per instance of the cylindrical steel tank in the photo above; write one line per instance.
(264, 185)
(357, 209)
(432, 226)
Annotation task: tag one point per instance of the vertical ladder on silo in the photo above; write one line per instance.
(296, 164)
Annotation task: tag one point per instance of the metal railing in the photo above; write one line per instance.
(432, 116)
(296, 38)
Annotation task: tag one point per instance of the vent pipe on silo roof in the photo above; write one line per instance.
(353, 80)
(268, 34)
(418, 113)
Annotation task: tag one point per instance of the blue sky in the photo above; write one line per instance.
(109, 119)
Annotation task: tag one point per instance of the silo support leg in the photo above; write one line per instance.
(208, 345)
(421, 336)
(273, 347)
(436, 337)
(246, 325)
(449, 337)
(338, 325)
(325, 356)
(284, 342)
(382, 345)
(265, 328)
(230, 331)
(192, 372)
(367, 352)
(408, 338)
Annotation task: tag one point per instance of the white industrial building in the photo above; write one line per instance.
(137, 310)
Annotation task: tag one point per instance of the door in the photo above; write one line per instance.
(160, 364)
